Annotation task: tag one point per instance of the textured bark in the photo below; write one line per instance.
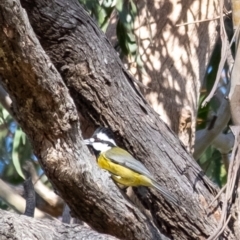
(104, 94)
(30, 198)
(46, 112)
(19, 227)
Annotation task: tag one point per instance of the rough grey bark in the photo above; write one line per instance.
(46, 112)
(19, 227)
(104, 94)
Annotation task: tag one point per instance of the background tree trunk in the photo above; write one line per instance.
(175, 58)
(104, 93)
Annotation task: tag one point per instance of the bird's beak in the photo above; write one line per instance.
(87, 141)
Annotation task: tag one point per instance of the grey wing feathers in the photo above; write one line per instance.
(167, 195)
(126, 159)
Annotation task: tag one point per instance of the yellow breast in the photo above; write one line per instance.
(124, 175)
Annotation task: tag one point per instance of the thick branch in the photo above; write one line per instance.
(44, 109)
(13, 226)
(43, 191)
(30, 198)
(105, 94)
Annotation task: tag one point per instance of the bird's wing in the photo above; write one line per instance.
(122, 157)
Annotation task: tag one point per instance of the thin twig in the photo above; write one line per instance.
(224, 226)
(217, 196)
(225, 48)
(202, 20)
(232, 175)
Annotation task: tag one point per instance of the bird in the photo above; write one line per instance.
(122, 166)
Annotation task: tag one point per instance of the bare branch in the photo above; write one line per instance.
(44, 192)
(104, 94)
(13, 226)
(224, 142)
(224, 54)
(30, 198)
(202, 20)
(230, 186)
(17, 202)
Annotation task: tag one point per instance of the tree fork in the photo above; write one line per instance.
(104, 92)
(46, 112)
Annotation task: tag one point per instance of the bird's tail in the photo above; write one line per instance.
(166, 194)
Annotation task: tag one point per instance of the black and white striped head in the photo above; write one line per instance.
(101, 140)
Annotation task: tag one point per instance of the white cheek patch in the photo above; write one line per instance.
(101, 147)
(104, 137)
(91, 140)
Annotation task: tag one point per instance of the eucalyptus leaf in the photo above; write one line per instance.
(132, 48)
(5, 113)
(15, 155)
(140, 62)
(119, 5)
(133, 8)
(23, 137)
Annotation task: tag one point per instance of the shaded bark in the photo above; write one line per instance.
(14, 226)
(46, 112)
(104, 94)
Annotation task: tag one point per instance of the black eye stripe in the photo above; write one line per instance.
(104, 142)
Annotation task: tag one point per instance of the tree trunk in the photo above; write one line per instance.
(104, 93)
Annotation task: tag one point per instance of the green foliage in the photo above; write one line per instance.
(18, 136)
(100, 11)
(3, 205)
(15, 149)
(212, 106)
(126, 11)
(212, 165)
